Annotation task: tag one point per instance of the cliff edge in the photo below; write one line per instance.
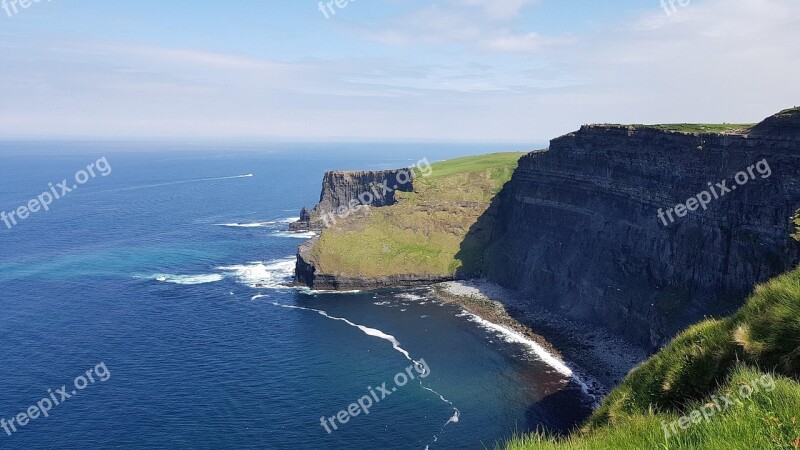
(645, 230)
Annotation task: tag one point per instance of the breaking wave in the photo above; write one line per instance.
(187, 279)
(295, 235)
(276, 274)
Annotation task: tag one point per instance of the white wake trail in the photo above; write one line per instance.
(172, 183)
(395, 344)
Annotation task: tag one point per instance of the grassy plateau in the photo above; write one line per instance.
(425, 233)
(704, 128)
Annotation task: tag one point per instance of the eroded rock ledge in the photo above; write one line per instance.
(344, 189)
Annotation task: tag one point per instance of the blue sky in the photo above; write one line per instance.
(450, 70)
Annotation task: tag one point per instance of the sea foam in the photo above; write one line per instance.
(273, 274)
(296, 235)
(188, 279)
(246, 225)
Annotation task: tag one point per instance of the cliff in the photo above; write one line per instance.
(344, 191)
(578, 226)
(420, 237)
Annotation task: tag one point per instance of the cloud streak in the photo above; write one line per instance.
(459, 70)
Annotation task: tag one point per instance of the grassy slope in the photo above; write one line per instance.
(424, 233)
(710, 358)
(701, 128)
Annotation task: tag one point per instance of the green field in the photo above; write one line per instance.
(704, 128)
(710, 359)
(428, 231)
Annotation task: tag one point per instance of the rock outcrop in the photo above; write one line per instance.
(578, 226)
(345, 190)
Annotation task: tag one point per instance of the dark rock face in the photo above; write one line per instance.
(785, 124)
(578, 226)
(345, 190)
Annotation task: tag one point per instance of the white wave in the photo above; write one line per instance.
(187, 279)
(296, 235)
(395, 344)
(512, 336)
(246, 225)
(287, 220)
(410, 296)
(307, 291)
(273, 274)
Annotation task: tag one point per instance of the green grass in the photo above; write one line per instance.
(425, 233)
(794, 110)
(472, 164)
(701, 128)
(706, 359)
(796, 220)
(767, 419)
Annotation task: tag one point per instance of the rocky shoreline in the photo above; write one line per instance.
(599, 359)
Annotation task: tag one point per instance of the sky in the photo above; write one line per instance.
(388, 70)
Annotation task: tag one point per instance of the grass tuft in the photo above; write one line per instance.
(709, 359)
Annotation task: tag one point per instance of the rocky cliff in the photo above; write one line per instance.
(578, 226)
(343, 191)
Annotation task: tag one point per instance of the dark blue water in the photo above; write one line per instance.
(135, 276)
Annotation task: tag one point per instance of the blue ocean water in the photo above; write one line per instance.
(164, 278)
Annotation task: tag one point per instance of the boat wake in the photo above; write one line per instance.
(172, 183)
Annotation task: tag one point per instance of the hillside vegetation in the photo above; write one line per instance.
(431, 231)
(704, 128)
(712, 359)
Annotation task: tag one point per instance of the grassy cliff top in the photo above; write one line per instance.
(425, 233)
(704, 128)
(712, 359)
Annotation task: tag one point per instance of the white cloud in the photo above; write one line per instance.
(460, 74)
(520, 43)
(499, 9)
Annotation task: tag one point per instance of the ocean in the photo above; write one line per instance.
(146, 308)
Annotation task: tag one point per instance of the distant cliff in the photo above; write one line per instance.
(578, 228)
(343, 191)
(642, 229)
(411, 238)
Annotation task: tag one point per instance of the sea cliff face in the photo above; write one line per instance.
(578, 228)
(345, 190)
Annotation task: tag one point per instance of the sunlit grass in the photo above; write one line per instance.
(707, 359)
(425, 232)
